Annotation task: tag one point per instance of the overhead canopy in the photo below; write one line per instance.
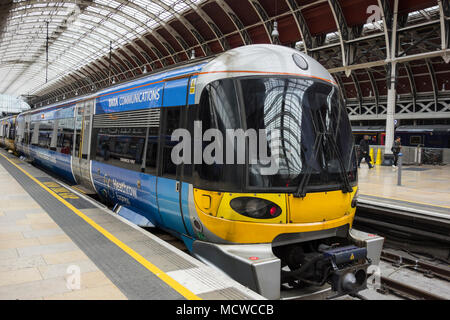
(12, 105)
(349, 37)
(79, 32)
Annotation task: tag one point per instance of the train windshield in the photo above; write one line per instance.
(308, 133)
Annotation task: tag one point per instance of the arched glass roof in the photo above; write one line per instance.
(12, 105)
(79, 31)
(350, 38)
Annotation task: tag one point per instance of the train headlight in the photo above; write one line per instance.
(255, 207)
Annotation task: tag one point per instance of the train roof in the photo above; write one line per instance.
(11, 116)
(171, 71)
(420, 128)
(262, 60)
(251, 60)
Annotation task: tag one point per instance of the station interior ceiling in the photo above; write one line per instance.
(52, 50)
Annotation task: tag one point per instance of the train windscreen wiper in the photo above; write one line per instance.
(346, 186)
(301, 189)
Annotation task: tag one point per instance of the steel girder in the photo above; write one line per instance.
(245, 37)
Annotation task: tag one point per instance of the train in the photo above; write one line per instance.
(290, 227)
(7, 132)
(428, 136)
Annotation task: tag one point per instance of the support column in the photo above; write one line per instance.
(392, 92)
(391, 103)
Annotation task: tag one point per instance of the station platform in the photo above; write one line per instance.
(56, 243)
(424, 191)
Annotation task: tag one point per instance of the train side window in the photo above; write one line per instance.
(219, 109)
(64, 142)
(415, 140)
(12, 131)
(152, 151)
(172, 122)
(45, 133)
(121, 147)
(191, 115)
(27, 133)
(34, 132)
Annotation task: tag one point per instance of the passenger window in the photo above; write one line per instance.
(34, 132)
(171, 123)
(78, 127)
(65, 135)
(121, 147)
(415, 140)
(219, 109)
(45, 133)
(152, 151)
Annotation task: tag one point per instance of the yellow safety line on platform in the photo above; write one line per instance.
(78, 189)
(388, 198)
(148, 265)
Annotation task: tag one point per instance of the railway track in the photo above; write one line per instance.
(406, 291)
(429, 269)
(403, 237)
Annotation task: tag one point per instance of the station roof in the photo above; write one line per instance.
(349, 37)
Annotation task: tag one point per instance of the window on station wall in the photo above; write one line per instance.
(64, 142)
(121, 147)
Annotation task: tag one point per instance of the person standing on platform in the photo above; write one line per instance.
(364, 151)
(396, 148)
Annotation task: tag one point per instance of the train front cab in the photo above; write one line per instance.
(292, 227)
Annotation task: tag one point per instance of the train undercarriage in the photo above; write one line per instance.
(337, 261)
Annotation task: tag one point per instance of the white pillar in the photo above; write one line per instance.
(391, 102)
(392, 92)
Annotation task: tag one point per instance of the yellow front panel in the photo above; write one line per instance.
(319, 211)
(319, 206)
(251, 232)
(207, 201)
(226, 212)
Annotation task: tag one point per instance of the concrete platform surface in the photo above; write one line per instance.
(422, 186)
(56, 243)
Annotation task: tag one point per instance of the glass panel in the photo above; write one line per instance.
(219, 110)
(172, 122)
(45, 133)
(314, 131)
(78, 128)
(122, 147)
(65, 135)
(152, 151)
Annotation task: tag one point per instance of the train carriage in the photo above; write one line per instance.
(8, 132)
(429, 136)
(263, 229)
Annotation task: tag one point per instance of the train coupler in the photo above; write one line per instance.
(349, 273)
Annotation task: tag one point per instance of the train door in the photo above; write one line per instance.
(168, 180)
(81, 143)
